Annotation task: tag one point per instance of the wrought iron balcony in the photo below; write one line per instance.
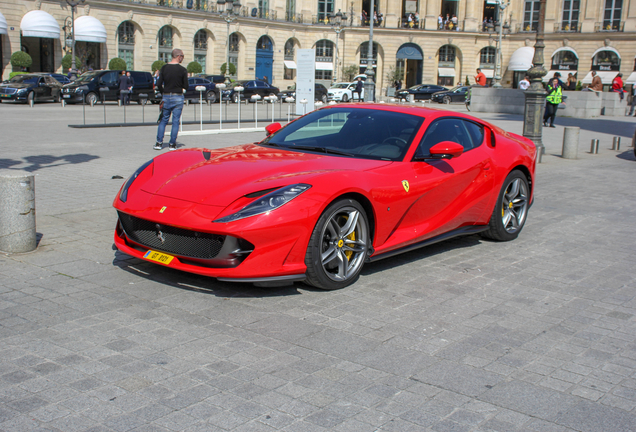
(527, 27)
(294, 17)
(609, 26)
(567, 27)
(267, 14)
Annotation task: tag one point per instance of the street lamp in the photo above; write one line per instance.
(369, 85)
(535, 95)
(73, 4)
(338, 23)
(229, 12)
(499, 28)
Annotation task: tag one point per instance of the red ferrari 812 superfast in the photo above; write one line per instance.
(317, 199)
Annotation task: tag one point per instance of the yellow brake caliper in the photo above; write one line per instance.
(352, 237)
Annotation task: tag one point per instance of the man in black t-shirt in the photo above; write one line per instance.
(172, 82)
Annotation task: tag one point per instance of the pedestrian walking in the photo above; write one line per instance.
(552, 101)
(359, 89)
(172, 82)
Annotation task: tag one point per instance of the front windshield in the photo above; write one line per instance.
(416, 86)
(86, 77)
(340, 86)
(291, 87)
(26, 79)
(456, 89)
(358, 132)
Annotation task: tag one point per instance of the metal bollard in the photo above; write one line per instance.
(616, 143)
(570, 142)
(594, 147)
(17, 212)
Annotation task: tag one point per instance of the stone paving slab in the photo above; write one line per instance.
(467, 335)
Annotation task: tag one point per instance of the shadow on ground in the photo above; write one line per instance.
(36, 163)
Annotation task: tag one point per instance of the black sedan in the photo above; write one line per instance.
(320, 93)
(420, 91)
(29, 88)
(210, 93)
(456, 94)
(250, 88)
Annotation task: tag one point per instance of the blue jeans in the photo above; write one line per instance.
(172, 104)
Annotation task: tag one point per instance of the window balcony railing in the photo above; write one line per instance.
(268, 14)
(609, 26)
(527, 27)
(412, 24)
(567, 27)
(294, 17)
(194, 5)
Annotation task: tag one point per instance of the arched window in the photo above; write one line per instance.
(364, 52)
(487, 57)
(126, 43)
(324, 60)
(234, 52)
(606, 60)
(447, 56)
(201, 48)
(165, 43)
(265, 43)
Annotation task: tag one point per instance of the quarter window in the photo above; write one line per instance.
(468, 134)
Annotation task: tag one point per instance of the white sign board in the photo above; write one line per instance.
(305, 80)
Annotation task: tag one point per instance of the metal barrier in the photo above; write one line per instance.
(594, 146)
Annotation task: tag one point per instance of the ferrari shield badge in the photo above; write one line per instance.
(163, 209)
(405, 184)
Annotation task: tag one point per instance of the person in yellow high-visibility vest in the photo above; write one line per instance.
(552, 101)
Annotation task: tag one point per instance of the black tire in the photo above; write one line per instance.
(338, 246)
(511, 209)
(211, 96)
(324, 99)
(446, 100)
(345, 98)
(236, 98)
(91, 98)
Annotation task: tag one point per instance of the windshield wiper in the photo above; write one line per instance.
(322, 150)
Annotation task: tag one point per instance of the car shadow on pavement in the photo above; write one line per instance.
(629, 155)
(35, 163)
(198, 283)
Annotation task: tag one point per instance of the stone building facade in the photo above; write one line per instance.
(428, 41)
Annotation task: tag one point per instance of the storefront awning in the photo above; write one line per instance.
(90, 29)
(631, 79)
(38, 23)
(324, 66)
(490, 73)
(606, 77)
(3, 25)
(549, 75)
(521, 59)
(607, 48)
(446, 72)
(290, 64)
(565, 49)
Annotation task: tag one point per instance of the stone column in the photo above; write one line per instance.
(17, 212)
(470, 21)
(433, 9)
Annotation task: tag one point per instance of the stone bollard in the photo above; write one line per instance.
(17, 212)
(570, 142)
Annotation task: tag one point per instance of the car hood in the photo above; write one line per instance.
(16, 85)
(219, 177)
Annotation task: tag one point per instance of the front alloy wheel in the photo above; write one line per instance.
(511, 209)
(338, 246)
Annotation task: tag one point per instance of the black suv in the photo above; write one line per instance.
(95, 85)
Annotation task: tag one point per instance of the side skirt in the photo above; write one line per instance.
(467, 230)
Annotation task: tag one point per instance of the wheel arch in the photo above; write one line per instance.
(524, 169)
(366, 205)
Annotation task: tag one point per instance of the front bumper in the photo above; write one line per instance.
(13, 97)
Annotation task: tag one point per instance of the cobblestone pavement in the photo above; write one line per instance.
(469, 335)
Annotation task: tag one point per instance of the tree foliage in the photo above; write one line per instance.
(157, 64)
(394, 74)
(67, 62)
(232, 69)
(21, 59)
(117, 64)
(348, 72)
(194, 67)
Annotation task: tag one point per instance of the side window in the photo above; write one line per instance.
(476, 134)
(455, 130)
(250, 85)
(109, 78)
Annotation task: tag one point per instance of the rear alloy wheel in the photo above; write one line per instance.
(91, 99)
(236, 98)
(211, 96)
(511, 210)
(338, 246)
(446, 100)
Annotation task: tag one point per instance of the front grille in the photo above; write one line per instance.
(8, 90)
(177, 241)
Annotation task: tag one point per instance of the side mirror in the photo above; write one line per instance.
(446, 150)
(272, 128)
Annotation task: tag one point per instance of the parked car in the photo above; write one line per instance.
(63, 79)
(311, 201)
(36, 87)
(250, 87)
(343, 92)
(87, 87)
(320, 93)
(216, 79)
(420, 91)
(456, 94)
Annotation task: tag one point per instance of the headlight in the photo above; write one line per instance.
(78, 90)
(23, 90)
(267, 203)
(123, 195)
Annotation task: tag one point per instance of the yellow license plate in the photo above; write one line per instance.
(158, 257)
